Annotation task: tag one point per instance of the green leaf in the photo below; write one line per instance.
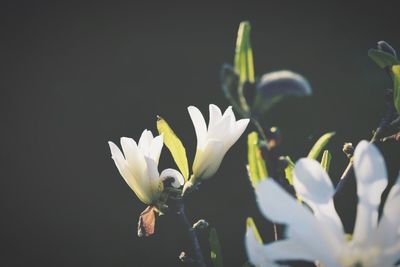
(215, 247)
(319, 145)
(250, 224)
(257, 168)
(326, 160)
(244, 55)
(289, 170)
(175, 146)
(382, 58)
(243, 62)
(396, 87)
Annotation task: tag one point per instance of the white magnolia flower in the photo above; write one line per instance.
(214, 141)
(139, 166)
(317, 234)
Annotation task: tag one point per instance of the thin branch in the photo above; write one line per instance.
(191, 232)
(385, 123)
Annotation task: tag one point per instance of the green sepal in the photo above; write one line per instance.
(289, 170)
(326, 160)
(396, 87)
(215, 248)
(319, 145)
(243, 62)
(250, 224)
(256, 164)
(175, 146)
(382, 59)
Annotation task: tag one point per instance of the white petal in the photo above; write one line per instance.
(207, 160)
(288, 250)
(370, 170)
(199, 125)
(220, 131)
(277, 205)
(229, 113)
(145, 142)
(215, 116)
(171, 173)
(390, 255)
(116, 153)
(255, 251)
(311, 181)
(314, 186)
(127, 175)
(153, 178)
(135, 163)
(239, 128)
(371, 176)
(156, 147)
(133, 156)
(388, 228)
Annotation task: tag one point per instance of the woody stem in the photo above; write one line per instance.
(191, 232)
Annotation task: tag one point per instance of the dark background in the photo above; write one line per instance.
(74, 76)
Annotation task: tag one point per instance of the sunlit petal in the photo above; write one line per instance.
(199, 125)
(156, 147)
(215, 117)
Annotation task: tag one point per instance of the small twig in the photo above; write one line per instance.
(385, 123)
(180, 212)
(270, 150)
(394, 137)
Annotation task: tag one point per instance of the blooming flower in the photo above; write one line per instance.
(316, 233)
(138, 165)
(215, 140)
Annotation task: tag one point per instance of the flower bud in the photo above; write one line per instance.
(385, 47)
(274, 86)
(348, 149)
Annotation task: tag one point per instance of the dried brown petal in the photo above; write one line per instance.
(147, 222)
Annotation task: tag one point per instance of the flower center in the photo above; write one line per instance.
(360, 256)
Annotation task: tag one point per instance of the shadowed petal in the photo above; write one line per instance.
(255, 251)
(389, 225)
(314, 186)
(277, 205)
(238, 129)
(370, 171)
(172, 173)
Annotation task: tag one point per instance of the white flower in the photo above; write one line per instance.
(214, 141)
(318, 235)
(139, 167)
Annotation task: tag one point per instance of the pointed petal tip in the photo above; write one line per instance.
(244, 121)
(112, 145)
(191, 107)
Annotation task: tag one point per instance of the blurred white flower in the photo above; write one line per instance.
(214, 141)
(139, 166)
(317, 235)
